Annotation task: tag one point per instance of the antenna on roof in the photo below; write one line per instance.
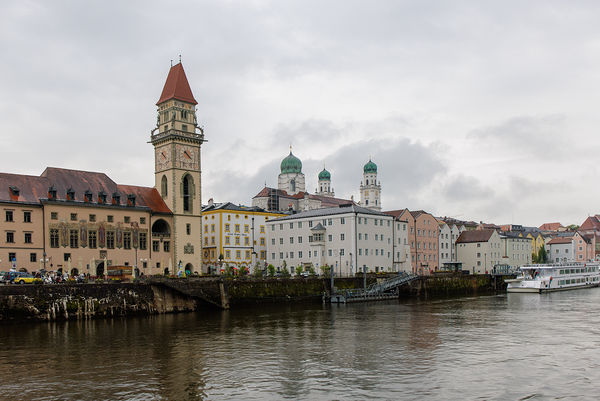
(171, 62)
(180, 59)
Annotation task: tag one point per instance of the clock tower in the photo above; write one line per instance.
(177, 140)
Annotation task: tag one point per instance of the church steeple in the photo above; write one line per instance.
(177, 140)
(370, 188)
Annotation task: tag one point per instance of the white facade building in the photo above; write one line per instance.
(447, 241)
(370, 188)
(561, 250)
(350, 238)
(479, 250)
(516, 250)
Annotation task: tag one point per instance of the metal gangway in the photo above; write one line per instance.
(375, 292)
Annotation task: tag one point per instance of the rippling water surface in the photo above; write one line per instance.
(506, 347)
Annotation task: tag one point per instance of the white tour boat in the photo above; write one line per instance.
(555, 277)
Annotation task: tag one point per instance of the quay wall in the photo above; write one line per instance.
(84, 301)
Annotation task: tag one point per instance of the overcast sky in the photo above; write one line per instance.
(480, 110)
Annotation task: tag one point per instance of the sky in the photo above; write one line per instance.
(478, 110)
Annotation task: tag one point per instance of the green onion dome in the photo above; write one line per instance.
(291, 164)
(370, 167)
(324, 175)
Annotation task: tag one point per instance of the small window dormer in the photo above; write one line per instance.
(102, 197)
(70, 194)
(131, 200)
(52, 193)
(87, 196)
(116, 198)
(14, 191)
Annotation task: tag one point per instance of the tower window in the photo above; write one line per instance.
(367, 182)
(293, 185)
(187, 193)
(163, 186)
(183, 127)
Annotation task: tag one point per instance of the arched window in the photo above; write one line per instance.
(293, 185)
(163, 186)
(367, 181)
(187, 192)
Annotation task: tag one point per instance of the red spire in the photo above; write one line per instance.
(177, 86)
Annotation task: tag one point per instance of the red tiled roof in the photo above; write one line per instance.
(32, 188)
(475, 236)
(550, 226)
(146, 196)
(591, 223)
(560, 240)
(177, 86)
(396, 213)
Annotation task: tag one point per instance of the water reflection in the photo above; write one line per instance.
(500, 347)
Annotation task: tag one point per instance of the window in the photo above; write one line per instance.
(206, 229)
(246, 228)
(33, 257)
(12, 256)
(237, 228)
(299, 239)
(53, 216)
(280, 241)
(227, 254)
(110, 219)
(10, 237)
(9, 215)
(26, 217)
(246, 241)
(292, 255)
(73, 216)
(92, 239)
(247, 254)
(142, 220)
(310, 224)
(155, 246)
(342, 237)
(237, 240)
(291, 240)
(280, 255)
(188, 228)
(227, 240)
(329, 252)
(92, 218)
(74, 238)
(238, 254)
(343, 220)
(226, 227)
(299, 254)
(330, 221)
(110, 240)
(167, 246)
(299, 224)
(143, 241)
(262, 241)
(187, 190)
(28, 238)
(53, 238)
(212, 228)
(127, 240)
(341, 252)
(330, 237)
(66, 257)
(262, 229)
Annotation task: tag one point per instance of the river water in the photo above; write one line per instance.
(504, 347)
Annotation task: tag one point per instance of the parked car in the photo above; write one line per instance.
(3, 277)
(25, 278)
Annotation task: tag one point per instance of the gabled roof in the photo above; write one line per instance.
(31, 188)
(177, 86)
(560, 240)
(324, 212)
(475, 236)
(591, 223)
(318, 227)
(145, 196)
(550, 226)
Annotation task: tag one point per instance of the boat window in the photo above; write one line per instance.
(562, 271)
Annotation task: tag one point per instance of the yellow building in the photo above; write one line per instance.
(234, 235)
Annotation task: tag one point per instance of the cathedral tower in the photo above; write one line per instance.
(177, 140)
(291, 178)
(324, 188)
(370, 188)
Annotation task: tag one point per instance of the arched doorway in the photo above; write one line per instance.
(189, 269)
(100, 269)
(74, 272)
(166, 271)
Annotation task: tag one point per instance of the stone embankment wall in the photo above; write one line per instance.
(82, 301)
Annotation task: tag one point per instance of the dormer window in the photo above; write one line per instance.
(87, 196)
(116, 198)
(130, 200)
(52, 193)
(70, 194)
(102, 197)
(14, 191)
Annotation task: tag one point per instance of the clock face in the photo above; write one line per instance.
(186, 157)
(163, 158)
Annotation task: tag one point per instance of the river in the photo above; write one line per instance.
(504, 347)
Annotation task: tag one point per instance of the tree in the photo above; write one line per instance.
(326, 270)
(299, 270)
(243, 270)
(573, 227)
(542, 256)
(258, 272)
(271, 270)
(312, 271)
(228, 270)
(284, 271)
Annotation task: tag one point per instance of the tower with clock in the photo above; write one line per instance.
(177, 140)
